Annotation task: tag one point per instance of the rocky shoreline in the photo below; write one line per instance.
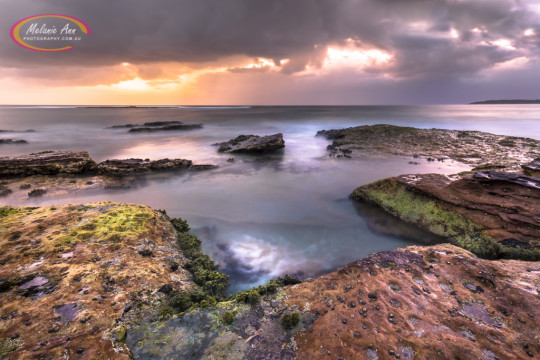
(119, 281)
(70, 171)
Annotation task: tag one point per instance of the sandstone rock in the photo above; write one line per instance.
(253, 144)
(437, 324)
(68, 272)
(491, 214)
(452, 305)
(47, 163)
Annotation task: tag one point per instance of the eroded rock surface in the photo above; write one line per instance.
(471, 147)
(253, 144)
(47, 163)
(491, 214)
(436, 302)
(68, 274)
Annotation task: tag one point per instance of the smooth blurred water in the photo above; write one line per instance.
(259, 217)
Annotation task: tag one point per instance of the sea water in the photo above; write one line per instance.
(259, 217)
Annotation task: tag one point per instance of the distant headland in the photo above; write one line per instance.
(515, 101)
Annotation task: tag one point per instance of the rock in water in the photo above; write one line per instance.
(132, 166)
(47, 163)
(158, 126)
(253, 144)
(11, 141)
(494, 215)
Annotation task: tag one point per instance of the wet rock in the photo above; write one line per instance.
(253, 144)
(532, 168)
(37, 192)
(11, 141)
(495, 215)
(67, 312)
(5, 191)
(134, 166)
(470, 147)
(158, 126)
(523, 180)
(46, 163)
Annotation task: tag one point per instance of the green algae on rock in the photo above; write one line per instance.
(493, 219)
(68, 274)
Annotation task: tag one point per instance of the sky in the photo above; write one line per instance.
(278, 52)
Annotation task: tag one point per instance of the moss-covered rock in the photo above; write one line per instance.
(476, 216)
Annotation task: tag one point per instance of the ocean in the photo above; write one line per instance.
(258, 217)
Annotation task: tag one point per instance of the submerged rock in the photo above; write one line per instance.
(494, 215)
(158, 126)
(11, 141)
(470, 147)
(133, 166)
(47, 163)
(253, 144)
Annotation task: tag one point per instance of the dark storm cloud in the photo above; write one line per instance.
(199, 31)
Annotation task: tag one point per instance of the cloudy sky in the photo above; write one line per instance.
(278, 52)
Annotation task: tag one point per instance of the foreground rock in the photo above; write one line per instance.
(471, 147)
(135, 166)
(491, 214)
(47, 163)
(158, 126)
(68, 274)
(108, 281)
(253, 144)
(436, 302)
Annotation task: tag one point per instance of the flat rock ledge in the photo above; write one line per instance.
(158, 126)
(253, 144)
(80, 163)
(47, 163)
(475, 148)
(492, 214)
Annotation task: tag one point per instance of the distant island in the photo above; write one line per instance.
(516, 101)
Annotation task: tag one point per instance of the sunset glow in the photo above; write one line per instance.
(275, 61)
